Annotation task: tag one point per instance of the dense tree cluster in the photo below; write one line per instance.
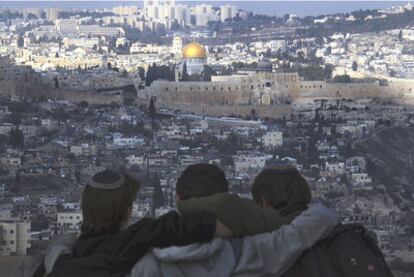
(163, 72)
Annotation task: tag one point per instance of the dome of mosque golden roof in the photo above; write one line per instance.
(194, 50)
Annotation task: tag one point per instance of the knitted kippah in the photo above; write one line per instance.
(107, 179)
(284, 168)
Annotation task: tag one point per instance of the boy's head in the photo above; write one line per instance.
(282, 188)
(200, 180)
(107, 200)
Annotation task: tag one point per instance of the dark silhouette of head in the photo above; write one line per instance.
(282, 188)
(107, 201)
(200, 180)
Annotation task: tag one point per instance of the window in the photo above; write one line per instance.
(11, 231)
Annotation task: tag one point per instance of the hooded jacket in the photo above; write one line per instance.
(115, 253)
(268, 254)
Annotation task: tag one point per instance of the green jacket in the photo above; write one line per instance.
(242, 216)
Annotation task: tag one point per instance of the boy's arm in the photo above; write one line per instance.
(168, 230)
(275, 252)
(242, 216)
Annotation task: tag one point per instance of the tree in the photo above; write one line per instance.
(342, 78)
(141, 73)
(152, 110)
(56, 81)
(158, 197)
(150, 76)
(20, 41)
(207, 73)
(355, 66)
(253, 113)
(185, 76)
(16, 138)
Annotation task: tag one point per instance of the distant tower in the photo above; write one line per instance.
(177, 46)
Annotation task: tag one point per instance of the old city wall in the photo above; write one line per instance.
(29, 90)
(394, 89)
(275, 111)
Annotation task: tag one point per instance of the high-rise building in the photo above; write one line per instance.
(155, 8)
(227, 11)
(52, 14)
(203, 14)
(203, 9)
(182, 14)
(125, 10)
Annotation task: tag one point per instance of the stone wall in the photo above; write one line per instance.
(267, 93)
(29, 90)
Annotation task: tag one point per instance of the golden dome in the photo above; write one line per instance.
(194, 50)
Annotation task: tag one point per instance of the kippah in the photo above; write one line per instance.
(107, 179)
(284, 168)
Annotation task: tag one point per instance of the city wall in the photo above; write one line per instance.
(268, 98)
(27, 90)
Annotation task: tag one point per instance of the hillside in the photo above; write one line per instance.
(390, 155)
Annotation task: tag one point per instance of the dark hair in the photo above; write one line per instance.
(200, 180)
(107, 210)
(283, 187)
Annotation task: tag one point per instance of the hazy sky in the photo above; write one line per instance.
(301, 8)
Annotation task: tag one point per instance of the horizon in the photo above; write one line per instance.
(278, 8)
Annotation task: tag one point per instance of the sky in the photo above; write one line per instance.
(300, 8)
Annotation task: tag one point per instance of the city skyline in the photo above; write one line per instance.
(279, 8)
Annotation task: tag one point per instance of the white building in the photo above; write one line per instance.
(14, 237)
(128, 143)
(245, 163)
(337, 168)
(135, 160)
(361, 179)
(69, 222)
(272, 139)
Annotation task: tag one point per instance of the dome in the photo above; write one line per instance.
(264, 65)
(194, 50)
